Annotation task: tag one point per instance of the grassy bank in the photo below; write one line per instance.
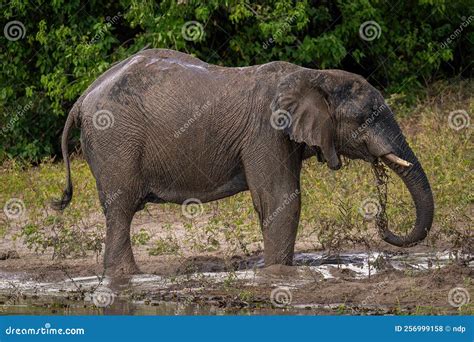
(330, 217)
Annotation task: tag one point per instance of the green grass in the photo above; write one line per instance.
(164, 246)
(331, 200)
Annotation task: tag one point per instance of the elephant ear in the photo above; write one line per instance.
(301, 97)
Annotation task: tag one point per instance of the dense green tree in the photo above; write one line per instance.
(52, 50)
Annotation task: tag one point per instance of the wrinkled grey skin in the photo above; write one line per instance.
(187, 129)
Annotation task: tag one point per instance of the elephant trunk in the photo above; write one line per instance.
(417, 183)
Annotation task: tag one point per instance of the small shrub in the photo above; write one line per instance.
(64, 241)
(164, 246)
(141, 238)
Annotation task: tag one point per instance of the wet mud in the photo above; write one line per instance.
(318, 283)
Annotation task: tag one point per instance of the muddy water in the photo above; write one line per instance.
(124, 307)
(137, 295)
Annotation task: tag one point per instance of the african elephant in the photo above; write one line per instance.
(163, 126)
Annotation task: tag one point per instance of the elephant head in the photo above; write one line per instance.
(343, 114)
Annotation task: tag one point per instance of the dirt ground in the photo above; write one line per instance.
(389, 291)
(382, 280)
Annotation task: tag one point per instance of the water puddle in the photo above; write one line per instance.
(137, 295)
(162, 308)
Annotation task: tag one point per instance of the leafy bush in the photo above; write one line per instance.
(141, 238)
(162, 246)
(59, 48)
(63, 241)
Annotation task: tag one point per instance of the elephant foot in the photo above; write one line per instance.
(122, 269)
(278, 263)
(278, 259)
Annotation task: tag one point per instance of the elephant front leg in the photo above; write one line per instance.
(273, 179)
(277, 199)
(279, 214)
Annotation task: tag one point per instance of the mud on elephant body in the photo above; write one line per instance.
(163, 126)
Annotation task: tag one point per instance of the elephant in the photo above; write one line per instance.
(165, 127)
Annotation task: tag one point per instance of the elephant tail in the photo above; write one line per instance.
(61, 204)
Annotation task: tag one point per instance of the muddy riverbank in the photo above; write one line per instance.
(319, 283)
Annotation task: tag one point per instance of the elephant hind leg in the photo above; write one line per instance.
(118, 258)
(121, 193)
(119, 206)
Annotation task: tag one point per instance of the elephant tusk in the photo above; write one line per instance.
(399, 161)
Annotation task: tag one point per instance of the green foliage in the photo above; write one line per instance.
(66, 45)
(141, 238)
(64, 241)
(41, 229)
(162, 246)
